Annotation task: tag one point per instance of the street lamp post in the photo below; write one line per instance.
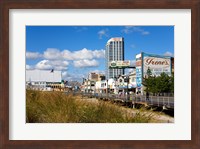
(87, 86)
(127, 80)
(106, 88)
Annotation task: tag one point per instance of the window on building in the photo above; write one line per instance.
(133, 80)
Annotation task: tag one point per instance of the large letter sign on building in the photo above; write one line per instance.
(156, 63)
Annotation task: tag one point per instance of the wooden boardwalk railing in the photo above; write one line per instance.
(159, 101)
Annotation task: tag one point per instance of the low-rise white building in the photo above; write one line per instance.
(43, 79)
(88, 86)
(132, 82)
(125, 83)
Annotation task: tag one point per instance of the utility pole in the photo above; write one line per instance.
(87, 85)
(127, 80)
(106, 88)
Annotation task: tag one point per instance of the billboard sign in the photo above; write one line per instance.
(138, 70)
(119, 64)
(157, 65)
(138, 76)
(138, 63)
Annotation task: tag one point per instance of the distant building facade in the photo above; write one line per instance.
(114, 52)
(96, 76)
(88, 86)
(93, 83)
(43, 79)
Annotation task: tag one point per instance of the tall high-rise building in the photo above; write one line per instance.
(114, 52)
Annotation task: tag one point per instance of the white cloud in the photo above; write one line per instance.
(168, 54)
(65, 75)
(103, 32)
(52, 54)
(72, 77)
(56, 54)
(28, 67)
(54, 64)
(86, 63)
(99, 53)
(83, 54)
(60, 60)
(66, 54)
(44, 64)
(59, 64)
(131, 29)
(33, 55)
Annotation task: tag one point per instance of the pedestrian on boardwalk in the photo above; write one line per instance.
(147, 96)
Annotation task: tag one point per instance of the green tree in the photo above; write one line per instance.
(149, 73)
(172, 83)
(164, 83)
(160, 84)
(154, 83)
(148, 80)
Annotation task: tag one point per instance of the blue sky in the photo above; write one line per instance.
(78, 50)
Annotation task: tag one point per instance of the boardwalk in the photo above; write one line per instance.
(159, 101)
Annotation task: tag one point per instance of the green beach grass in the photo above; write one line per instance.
(57, 107)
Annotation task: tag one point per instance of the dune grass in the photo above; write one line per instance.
(57, 107)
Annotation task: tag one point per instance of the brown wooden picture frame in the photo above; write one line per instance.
(6, 5)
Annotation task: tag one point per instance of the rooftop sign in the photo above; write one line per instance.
(119, 64)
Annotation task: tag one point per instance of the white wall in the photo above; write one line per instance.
(43, 76)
